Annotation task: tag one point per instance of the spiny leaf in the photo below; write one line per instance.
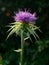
(26, 38)
(36, 34)
(33, 27)
(11, 28)
(17, 32)
(31, 32)
(11, 32)
(16, 23)
(29, 36)
(19, 50)
(13, 23)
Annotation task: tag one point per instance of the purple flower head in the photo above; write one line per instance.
(25, 16)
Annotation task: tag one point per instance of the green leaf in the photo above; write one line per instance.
(14, 28)
(31, 32)
(18, 31)
(11, 28)
(11, 32)
(36, 34)
(19, 50)
(29, 36)
(26, 38)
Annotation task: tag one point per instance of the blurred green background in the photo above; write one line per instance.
(36, 52)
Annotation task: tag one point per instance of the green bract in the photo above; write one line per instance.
(27, 28)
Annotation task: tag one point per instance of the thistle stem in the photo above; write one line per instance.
(22, 48)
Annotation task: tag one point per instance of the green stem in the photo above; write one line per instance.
(22, 48)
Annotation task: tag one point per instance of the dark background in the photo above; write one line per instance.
(36, 52)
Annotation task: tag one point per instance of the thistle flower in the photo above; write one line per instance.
(25, 16)
(24, 19)
(24, 28)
